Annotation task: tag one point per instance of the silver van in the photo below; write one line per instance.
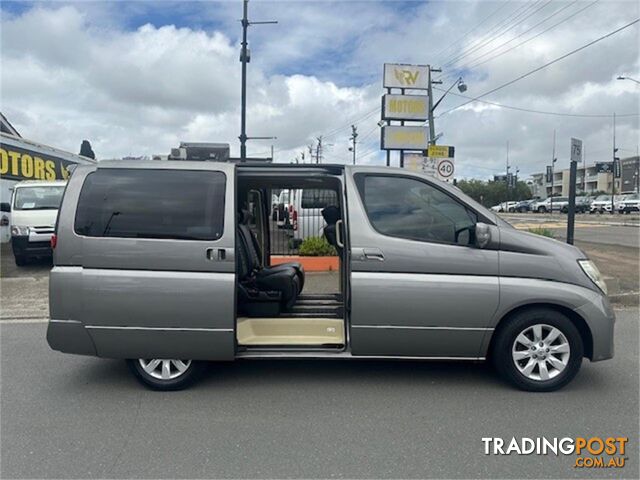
(168, 264)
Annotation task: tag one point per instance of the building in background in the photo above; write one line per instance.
(588, 180)
(22, 159)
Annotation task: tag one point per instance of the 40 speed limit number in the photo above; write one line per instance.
(445, 169)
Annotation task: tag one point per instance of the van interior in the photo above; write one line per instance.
(279, 306)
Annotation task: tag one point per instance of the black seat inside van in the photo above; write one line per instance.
(331, 215)
(263, 291)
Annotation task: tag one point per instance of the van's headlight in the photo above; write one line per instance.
(18, 231)
(590, 269)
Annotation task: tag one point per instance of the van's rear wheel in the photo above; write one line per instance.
(165, 374)
(538, 350)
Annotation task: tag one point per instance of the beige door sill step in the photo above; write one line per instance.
(290, 331)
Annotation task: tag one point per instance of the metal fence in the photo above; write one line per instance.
(296, 215)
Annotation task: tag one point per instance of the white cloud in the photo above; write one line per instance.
(71, 72)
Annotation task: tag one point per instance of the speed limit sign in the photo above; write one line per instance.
(445, 169)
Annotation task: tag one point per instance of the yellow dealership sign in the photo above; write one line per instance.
(400, 75)
(21, 164)
(405, 107)
(399, 137)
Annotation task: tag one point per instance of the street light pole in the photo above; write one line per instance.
(245, 57)
(461, 86)
(243, 94)
(621, 77)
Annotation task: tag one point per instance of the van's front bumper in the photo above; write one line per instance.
(601, 320)
(24, 245)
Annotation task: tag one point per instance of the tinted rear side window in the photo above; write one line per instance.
(177, 204)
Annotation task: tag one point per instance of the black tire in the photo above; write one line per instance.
(21, 260)
(565, 210)
(503, 343)
(542, 210)
(185, 379)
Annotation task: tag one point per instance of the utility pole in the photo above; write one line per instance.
(613, 167)
(245, 57)
(507, 177)
(319, 150)
(354, 136)
(553, 164)
(432, 125)
(637, 175)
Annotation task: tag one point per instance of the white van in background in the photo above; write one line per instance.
(34, 210)
(307, 209)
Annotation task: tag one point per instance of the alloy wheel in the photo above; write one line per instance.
(164, 369)
(541, 352)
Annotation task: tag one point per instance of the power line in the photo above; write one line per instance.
(474, 65)
(558, 11)
(473, 29)
(493, 37)
(542, 112)
(531, 72)
(495, 27)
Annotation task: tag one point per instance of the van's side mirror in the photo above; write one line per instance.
(5, 207)
(483, 235)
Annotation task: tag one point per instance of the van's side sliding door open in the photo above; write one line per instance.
(153, 259)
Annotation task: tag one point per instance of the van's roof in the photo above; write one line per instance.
(40, 183)
(257, 166)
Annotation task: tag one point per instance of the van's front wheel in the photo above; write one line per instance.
(165, 374)
(538, 350)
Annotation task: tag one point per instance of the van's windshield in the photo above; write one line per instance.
(38, 198)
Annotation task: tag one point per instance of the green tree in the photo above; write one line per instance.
(86, 150)
(490, 193)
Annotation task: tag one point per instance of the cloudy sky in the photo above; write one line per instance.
(136, 78)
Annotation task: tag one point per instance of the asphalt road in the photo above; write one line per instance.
(619, 230)
(625, 236)
(71, 417)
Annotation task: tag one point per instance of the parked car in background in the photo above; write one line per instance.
(524, 205)
(583, 203)
(630, 204)
(5, 221)
(505, 207)
(555, 204)
(34, 210)
(601, 204)
(619, 200)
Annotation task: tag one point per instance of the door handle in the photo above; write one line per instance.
(339, 240)
(214, 254)
(373, 254)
